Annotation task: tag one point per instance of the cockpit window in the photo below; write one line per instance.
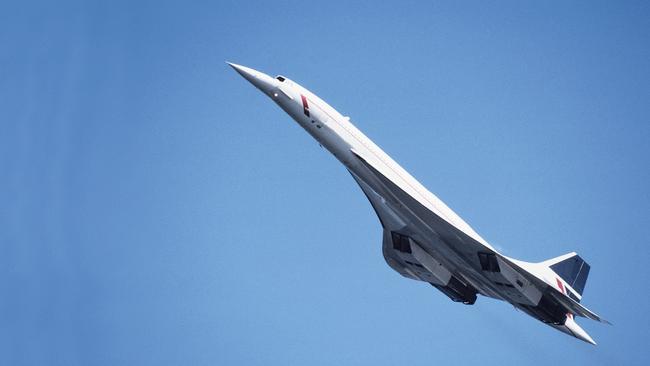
(280, 77)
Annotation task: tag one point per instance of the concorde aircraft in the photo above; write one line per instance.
(425, 240)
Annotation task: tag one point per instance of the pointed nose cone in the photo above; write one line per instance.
(261, 81)
(248, 73)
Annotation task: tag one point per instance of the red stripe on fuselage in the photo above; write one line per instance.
(563, 289)
(560, 285)
(305, 105)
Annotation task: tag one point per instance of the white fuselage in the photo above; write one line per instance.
(339, 136)
(439, 253)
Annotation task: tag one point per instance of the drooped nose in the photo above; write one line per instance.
(261, 81)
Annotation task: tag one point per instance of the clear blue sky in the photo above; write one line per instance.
(158, 210)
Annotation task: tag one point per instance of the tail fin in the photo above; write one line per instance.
(573, 270)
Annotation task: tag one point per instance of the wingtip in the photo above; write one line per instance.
(587, 338)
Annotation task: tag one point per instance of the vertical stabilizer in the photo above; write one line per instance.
(572, 269)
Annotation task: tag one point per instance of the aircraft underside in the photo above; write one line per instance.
(418, 251)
